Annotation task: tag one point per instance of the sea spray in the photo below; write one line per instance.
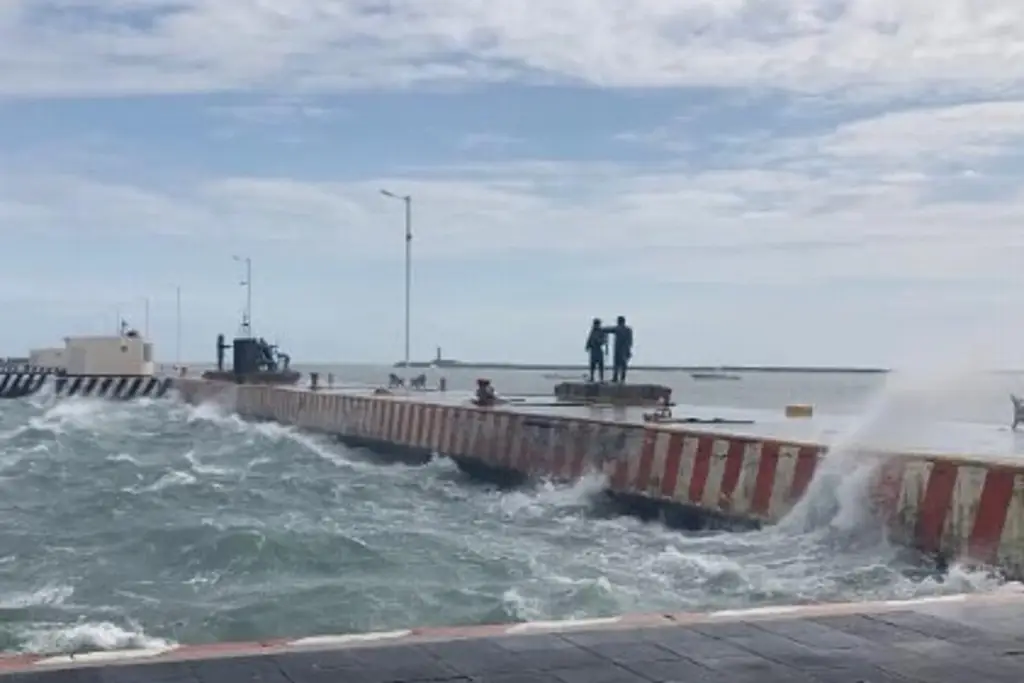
(911, 405)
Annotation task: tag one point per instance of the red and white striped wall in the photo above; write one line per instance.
(957, 508)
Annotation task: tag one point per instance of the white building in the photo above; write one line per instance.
(110, 355)
(47, 358)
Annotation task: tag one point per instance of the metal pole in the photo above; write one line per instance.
(407, 199)
(248, 295)
(408, 273)
(177, 326)
(145, 330)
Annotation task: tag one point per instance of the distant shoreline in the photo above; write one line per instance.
(457, 365)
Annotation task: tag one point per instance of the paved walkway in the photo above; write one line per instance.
(946, 641)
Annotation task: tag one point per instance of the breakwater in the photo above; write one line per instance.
(113, 387)
(956, 508)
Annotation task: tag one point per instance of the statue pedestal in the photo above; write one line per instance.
(614, 394)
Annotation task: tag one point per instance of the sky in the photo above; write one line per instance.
(785, 182)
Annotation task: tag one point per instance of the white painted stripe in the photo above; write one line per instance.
(756, 611)
(654, 482)
(686, 465)
(716, 473)
(566, 625)
(782, 485)
(1011, 542)
(960, 597)
(963, 511)
(342, 639)
(743, 494)
(106, 656)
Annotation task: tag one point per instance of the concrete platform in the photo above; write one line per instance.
(944, 640)
(961, 501)
(957, 438)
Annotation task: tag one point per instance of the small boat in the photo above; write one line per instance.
(713, 376)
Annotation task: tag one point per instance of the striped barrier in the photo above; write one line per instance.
(949, 507)
(21, 384)
(114, 387)
(120, 388)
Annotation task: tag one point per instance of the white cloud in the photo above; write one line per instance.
(867, 200)
(859, 47)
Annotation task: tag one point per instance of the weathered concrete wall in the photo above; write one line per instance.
(955, 508)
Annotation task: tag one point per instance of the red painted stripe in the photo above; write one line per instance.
(501, 445)
(510, 447)
(643, 474)
(731, 472)
(366, 416)
(408, 422)
(402, 421)
(18, 661)
(431, 435)
(367, 419)
(482, 438)
(443, 429)
(376, 418)
(620, 473)
(487, 436)
(701, 467)
(761, 503)
(993, 507)
(578, 450)
(938, 496)
(806, 462)
(887, 488)
(394, 420)
(467, 430)
(349, 408)
(452, 422)
(473, 443)
(560, 452)
(515, 450)
(394, 433)
(422, 437)
(673, 461)
(525, 463)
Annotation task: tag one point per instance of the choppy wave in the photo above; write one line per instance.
(136, 524)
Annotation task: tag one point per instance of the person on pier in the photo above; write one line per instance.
(623, 348)
(597, 347)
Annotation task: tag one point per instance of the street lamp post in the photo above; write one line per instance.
(247, 283)
(407, 200)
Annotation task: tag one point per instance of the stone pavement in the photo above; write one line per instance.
(945, 641)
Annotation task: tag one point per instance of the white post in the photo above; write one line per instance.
(407, 199)
(177, 327)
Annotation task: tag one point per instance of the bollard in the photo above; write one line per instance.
(330, 380)
(442, 384)
(314, 378)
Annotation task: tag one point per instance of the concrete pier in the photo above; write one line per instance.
(939, 640)
(955, 507)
